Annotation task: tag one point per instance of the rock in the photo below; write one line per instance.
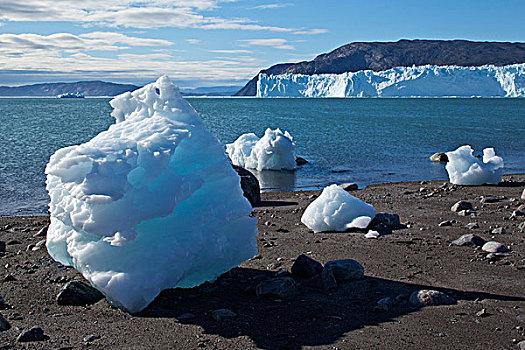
(345, 269)
(33, 334)
(461, 205)
(9, 278)
(494, 247)
(385, 223)
(522, 226)
(277, 287)
(439, 157)
(490, 199)
(385, 304)
(186, 317)
(249, 184)
(482, 313)
(425, 297)
(328, 280)
(4, 324)
(2, 247)
(472, 225)
(467, 212)
(222, 314)
(523, 195)
(372, 235)
(39, 245)
(469, 240)
(306, 267)
(349, 186)
(300, 160)
(521, 344)
(79, 294)
(499, 231)
(91, 337)
(445, 223)
(42, 232)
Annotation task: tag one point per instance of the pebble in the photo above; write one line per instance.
(461, 205)
(469, 240)
(306, 267)
(467, 212)
(482, 313)
(91, 337)
(490, 199)
(42, 232)
(472, 225)
(345, 269)
(4, 324)
(445, 223)
(222, 314)
(430, 298)
(494, 247)
(33, 334)
(523, 195)
(78, 293)
(499, 231)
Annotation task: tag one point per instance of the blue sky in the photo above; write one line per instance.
(219, 42)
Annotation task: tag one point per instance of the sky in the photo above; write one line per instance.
(220, 42)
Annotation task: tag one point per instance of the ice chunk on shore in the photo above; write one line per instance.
(337, 210)
(465, 169)
(274, 151)
(149, 204)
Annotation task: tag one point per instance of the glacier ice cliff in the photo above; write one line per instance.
(416, 81)
(337, 210)
(149, 204)
(465, 169)
(274, 151)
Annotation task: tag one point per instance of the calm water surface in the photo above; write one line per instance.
(345, 140)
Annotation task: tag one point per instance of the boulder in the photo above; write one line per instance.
(494, 247)
(345, 269)
(249, 184)
(425, 297)
(79, 294)
(439, 157)
(277, 287)
(306, 267)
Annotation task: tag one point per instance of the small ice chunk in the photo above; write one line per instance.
(149, 204)
(372, 234)
(465, 169)
(274, 151)
(337, 210)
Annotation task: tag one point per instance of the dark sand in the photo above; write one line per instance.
(397, 264)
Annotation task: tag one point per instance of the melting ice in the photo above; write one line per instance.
(465, 169)
(149, 204)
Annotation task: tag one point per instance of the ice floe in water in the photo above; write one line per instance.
(465, 169)
(149, 204)
(274, 151)
(337, 210)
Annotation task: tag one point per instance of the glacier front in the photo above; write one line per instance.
(149, 204)
(415, 81)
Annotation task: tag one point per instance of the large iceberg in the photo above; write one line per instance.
(465, 169)
(337, 210)
(149, 204)
(420, 81)
(274, 151)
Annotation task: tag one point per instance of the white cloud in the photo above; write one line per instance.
(271, 6)
(231, 51)
(126, 13)
(311, 31)
(20, 44)
(276, 43)
(193, 41)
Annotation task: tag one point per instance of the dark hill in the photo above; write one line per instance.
(380, 56)
(88, 88)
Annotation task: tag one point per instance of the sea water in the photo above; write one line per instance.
(345, 140)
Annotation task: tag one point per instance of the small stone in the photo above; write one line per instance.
(91, 337)
(385, 304)
(345, 269)
(439, 157)
(372, 235)
(522, 226)
(482, 313)
(186, 317)
(300, 160)
(39, 245)
(222, 314)
(42, 232)
(490, 199)
(494, 247)
(445, 223)
(9, 278)
(523, 195)
(430, 298)
(2, 247)
(469, 240)
(306, 267)
(461, 205)
(472, 225)
(466, 213)
(350, 186)
(499, 231)
(33, 334)
(385, 222)
(277, 287)
(79, 294)
(4, 324)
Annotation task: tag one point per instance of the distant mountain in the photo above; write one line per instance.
(211, 91)
(379, 56)
(88, 88)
